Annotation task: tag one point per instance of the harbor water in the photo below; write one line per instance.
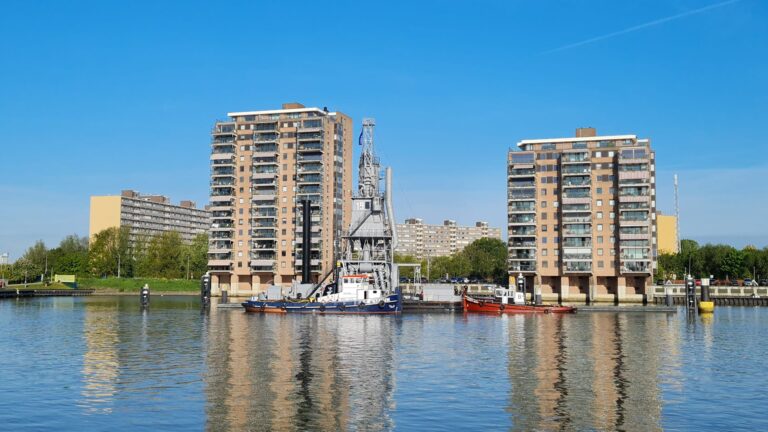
(103, 363)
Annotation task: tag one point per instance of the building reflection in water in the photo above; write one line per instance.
(267, 372)
(100, 359)
(593, 371)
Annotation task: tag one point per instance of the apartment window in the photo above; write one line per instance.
(242, 158)
(240, 211)
(284, 222)
(285, 177)
(239, 263)
(239, 221)
(544, 252)
(557, 240)
(239, 232)
(613, 215)
(544, 216)
(240, 254)
(240, 243)
(557, 252)
(612, 203)
(285, 199)
(543, 240)
(285, 156)
(599, 203)
(555, 204)
(599, 190)
(599, 215)
(241, 190)
(543, 228)
(285, 210)
(242, 168)
(282, 264)
(544, 264)
(613, 252)
(282, 253)
(599, 227)
(543, 191)
(283, 231)
(557, 227)
(600, 240)
(543, 204)
(600, 252)
(613, 239)
(282, 242)
(241, 201)
(613, 228)
(600, 264)
(613, 264)
(285, 167)
(285, 188)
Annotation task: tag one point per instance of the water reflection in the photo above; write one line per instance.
(599, 371)
(100, 359)
(305, 373)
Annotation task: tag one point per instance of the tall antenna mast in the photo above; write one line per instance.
(677, 218)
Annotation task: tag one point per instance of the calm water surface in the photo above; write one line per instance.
(100, 363)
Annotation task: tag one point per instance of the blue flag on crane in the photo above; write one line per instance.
(360, 139)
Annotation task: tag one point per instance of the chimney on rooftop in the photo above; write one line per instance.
(586, 132)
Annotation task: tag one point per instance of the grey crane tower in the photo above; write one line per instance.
(368, 248)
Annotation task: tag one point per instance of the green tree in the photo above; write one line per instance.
(165, 255)
(407, 272)
(35, 260)
(195, 256)
(487, 258)
(109, 254)
(733, 264)
(70, 257)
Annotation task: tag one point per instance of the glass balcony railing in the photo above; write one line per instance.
(577, 242)
(522, 172)
(522, 194)
(522, 206)
(575, 157)
(524, 218)
(522, 231)
(577, 266)
(521, 243)
(522, 266)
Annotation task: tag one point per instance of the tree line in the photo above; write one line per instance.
(110, 253)
(484, 259)
(724, 262)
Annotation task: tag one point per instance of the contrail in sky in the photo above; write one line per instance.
(641, 26)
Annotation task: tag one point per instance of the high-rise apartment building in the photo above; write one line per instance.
(263, 164)
(420, 240)
(581, 215)
(147, 215)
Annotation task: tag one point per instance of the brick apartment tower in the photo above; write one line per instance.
(263, 163)
(581, 216)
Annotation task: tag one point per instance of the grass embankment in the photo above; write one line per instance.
(38, 286)
(133, 285)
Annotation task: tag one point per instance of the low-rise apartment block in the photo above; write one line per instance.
(147, 215)
(582, 217)
(420, 240)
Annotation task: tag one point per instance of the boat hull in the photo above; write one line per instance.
(480, 306)
(393, 305)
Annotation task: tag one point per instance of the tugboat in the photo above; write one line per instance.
(365, 277)
(509, 301)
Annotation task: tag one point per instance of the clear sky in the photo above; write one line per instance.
(100, 96)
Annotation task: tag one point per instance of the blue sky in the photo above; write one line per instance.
(98, 96)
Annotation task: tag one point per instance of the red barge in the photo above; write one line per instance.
(509, 301)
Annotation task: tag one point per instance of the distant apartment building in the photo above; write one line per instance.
(668, 241)
(581, 215)
(263, 164)
(147, 215)
(420, 240)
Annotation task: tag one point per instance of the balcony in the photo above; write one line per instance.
(575, 158)
(522, 255)
(643, 267)
(522, 219)
(223, 172)
(264, 213)
(567, 256)
(522, 194)
(522, 266)
(521, 184)
(577, 267)
(310, 136)
(634, 175)
(305, 158)
(265, 137)
(522, 231)
(577, 219)
(522, 207)
(576, 207)
(577, 200)
(576, 181)
(576, 242)
(264, 245)
(222, 128)
(310, 147)
(517, 244)
(264, 263)
(576, 170)
(310, 168)
(264, 160)
(310, 178)
(521, 172)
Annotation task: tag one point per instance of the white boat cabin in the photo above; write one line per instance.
(510, 296)
(357, 288)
